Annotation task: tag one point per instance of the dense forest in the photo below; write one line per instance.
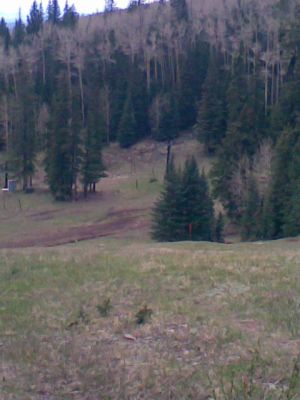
(229, 69)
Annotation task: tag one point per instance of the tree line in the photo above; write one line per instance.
(230, 70)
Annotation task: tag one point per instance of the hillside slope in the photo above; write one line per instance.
(120, 208)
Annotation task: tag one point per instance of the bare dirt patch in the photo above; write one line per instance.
(127, 220)
(44, 215)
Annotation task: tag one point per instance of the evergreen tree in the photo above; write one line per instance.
(165, 119)
(133, 4)
(284, 175)
(116, 80)
(246, 129)
(167, 215)
(109, 6)
(291, 225)
(291, 220)
(211, 124)
(59, 157)
(19, 31)
(197, 206)
(35, 18)
(252, 213)
(5, 34)
(236, 95)
(219, 229)
(288, 111)
(53, 12)
(193, 72)
(92, 166)
(140, 104)
(70, 16)
(185, 209)
(23, 140)
(127, 133)
(180, 9)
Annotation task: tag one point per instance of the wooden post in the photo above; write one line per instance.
(6, 181)
(190, 231)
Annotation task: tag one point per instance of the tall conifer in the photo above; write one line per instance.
(197, 206)
(127, 133)
(167, 215)
(35, 18)
(59, 156)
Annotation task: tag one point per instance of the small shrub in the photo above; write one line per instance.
(104, 308)
(143, 315)
(82, 317)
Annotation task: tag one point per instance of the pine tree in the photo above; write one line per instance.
(281, 185)
(23, 140)
(180, 9)
(116, 80)
(291, 222)
(197, 206)
(288, 111)
(92, 165)
(53, 12)
(245, 130)
(193, 72)
(35, 18)
(140, 104)
(70, 16)
(291, 225)
(219, 229)
(252, 213)
(168, 120)
(19, 31)
(127, 132)
(59, 158)
(5, 34)
(167, 215)
(211, 121)
(133, 4)
(185, 209)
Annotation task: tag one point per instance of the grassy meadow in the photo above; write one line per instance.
(218, 322)
(225, 321)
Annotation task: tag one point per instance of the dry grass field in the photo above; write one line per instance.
(225, 321)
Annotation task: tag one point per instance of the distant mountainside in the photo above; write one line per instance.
(228, 69)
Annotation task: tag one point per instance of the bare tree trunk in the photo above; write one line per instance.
(148, 72)
(273, 84)
(171, 62)
(6, 123)
(85, 190)
(266, 88)
(81, 95)
(107, 113)
(163, 71)
(177, 79)
(278, 82)
(266, 75)
(43, 60)
(155, 69)
(69, 77)
(15, 83)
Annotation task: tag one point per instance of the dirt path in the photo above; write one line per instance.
(119, 222)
